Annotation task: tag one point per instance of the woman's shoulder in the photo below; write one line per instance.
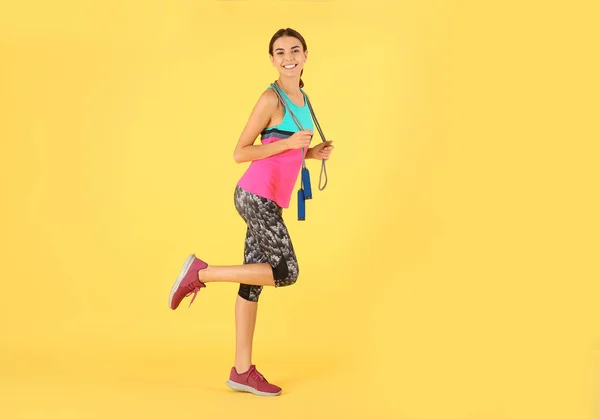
(268, 98)
(267, 102)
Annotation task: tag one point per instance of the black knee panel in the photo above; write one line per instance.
(244, 291)
(282, 275)
(280, 271)
(249, 292)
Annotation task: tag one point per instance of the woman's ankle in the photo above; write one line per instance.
(204, 276)
(242, 367)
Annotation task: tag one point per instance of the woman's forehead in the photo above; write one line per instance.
(287, 42)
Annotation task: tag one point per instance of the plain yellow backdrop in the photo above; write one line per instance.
(449, 270)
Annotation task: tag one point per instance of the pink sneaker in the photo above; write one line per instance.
(187, 283)
(253, 382)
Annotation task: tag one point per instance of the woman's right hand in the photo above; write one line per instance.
(300, 139)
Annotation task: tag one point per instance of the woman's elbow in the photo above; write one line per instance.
(237, 157)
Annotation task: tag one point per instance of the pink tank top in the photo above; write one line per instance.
(274, 177)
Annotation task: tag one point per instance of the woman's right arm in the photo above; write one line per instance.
(260, 117)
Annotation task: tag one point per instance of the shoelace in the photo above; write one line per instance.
(257, 376)
(195, 292)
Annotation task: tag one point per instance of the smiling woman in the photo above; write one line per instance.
(283, 119)
(289, 40)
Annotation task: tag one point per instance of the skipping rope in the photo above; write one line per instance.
(305, 191)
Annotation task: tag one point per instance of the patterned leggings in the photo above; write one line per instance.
(267, 241)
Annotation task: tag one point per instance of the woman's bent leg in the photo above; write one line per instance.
(253, 274)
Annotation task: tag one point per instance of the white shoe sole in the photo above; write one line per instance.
(241, 387)
(186, 266)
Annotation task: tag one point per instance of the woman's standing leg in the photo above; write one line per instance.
(245, 322)
(246, 308)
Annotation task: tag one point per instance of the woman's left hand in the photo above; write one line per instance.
(322, 151)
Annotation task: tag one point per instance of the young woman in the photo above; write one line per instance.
(260, 196)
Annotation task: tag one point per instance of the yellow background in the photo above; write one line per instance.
(449, 270)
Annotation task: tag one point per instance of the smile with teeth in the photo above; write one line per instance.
(290, 66)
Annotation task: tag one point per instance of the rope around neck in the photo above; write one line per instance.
(279, 93)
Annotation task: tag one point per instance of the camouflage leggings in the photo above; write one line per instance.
(267, 241)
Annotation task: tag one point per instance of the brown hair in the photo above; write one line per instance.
(294, 34)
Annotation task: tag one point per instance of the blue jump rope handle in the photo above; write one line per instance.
(301, 205)
(306, 184)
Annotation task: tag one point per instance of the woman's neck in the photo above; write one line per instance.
(291, 86)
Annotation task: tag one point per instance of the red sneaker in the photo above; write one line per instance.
(253, 382)
(187, 283)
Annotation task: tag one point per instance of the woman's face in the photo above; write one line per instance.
(288, 56)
